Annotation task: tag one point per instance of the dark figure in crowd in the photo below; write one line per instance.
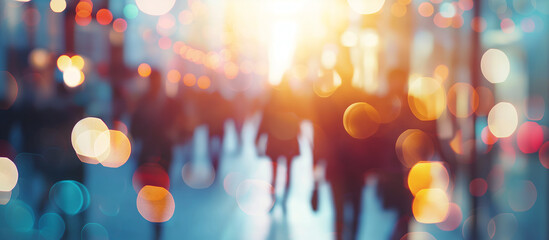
(214, 110)
(153, 125)
(242, 108)
(350, 160)
(281, 123)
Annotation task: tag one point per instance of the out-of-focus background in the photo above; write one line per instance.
(274, 119)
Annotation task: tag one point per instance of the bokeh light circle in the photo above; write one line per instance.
(8, 174)
(428, 175)
(94, 231)
(412, 146)
(63, 62)
(544, 155)
(418, 236)
(487, 137)
(521, 195)
(361, 120)
(5, 197)
(535, 107)
(19, 216)
(144, 70)
(425, 9)
(113, 148)
(453, 220)
(150, 174)
(326, 85)
(478, 187)
(84, 136)
(72, 77)
(78, 62)
(426, 98)
(8, 90)
(70, 196)
(119, 25)
(155, 7)
(495, 65)
(58, 6)
(231, 182)
(503, 119)
(198, 175)
(51, 226)
(463, 100)
(430, 206)
(155, 204)
(103, 16)
(529, 137)
(39, 58)
(366, 6)
(255, 197)
(502, 226)
(130, 11)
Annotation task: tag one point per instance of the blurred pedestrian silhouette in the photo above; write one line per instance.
(214, 110)
(153, 124)
(281, 124)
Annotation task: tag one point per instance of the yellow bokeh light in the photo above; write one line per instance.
(84, 136)
(113, 148)
(426, 98)
(8, 174)
(503, 120)
(72, 77)
(366, 6)
(495, 65)
(155, 7)
(155, 204)
(426, 175)
(58, 5)
(430, 206)
(144, 70)
(361, 120)
(77, 62)
(63, 62)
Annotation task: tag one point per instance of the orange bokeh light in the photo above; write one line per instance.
(103, 16)
(189, 80)
(155, 204)
(144, 70)
(361, 120)
(203, 82)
